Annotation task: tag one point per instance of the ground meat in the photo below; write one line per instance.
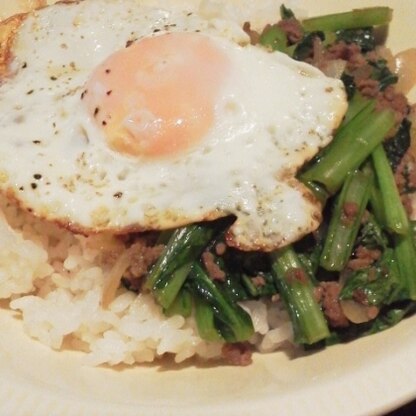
(364, 257)
(296, 274)
(357, 264)
(258, 281)
(360, 297)
(349, 211)
(368, 87)
(397, 102)
(237, 354)
(253, 35)
(330, 304)
(220, 249)
(358, 67)
(142, 259)
(401, 175)
(214, 271)
(364, 252)
(324, 58)
(405, 174)
(292, 28)
(317, 293)
(405, 177)
(351, 53)
(362, 73)
(365, 217)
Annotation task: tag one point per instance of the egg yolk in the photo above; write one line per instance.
(157, 96)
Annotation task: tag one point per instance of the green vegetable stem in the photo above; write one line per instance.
(394, 213)
(170, 271)
(297, 291)
(345, 220)
(350, 148)
(371, 16)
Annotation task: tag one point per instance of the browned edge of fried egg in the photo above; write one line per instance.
(10, 195)
(9, 28)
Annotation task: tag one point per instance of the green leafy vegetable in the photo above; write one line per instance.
(377, 285)
(363, 37)
(382, 74)
(371, 235)
(286, 13)
(349, 84)
(275, 39)
(170, 271)
(233, 323)
(182, 305)
(205, 321)
(398, 145)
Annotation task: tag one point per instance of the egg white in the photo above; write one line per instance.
(272, 115)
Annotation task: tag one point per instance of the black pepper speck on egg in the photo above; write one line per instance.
(37, 176)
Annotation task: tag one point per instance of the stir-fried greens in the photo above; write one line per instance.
(356, 274)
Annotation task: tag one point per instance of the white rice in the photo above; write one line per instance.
(55, 280)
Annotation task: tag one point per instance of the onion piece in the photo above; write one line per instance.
(358, 313)
(334, 68)
(115, 275)
(405, 63)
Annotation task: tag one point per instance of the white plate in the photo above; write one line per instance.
(366, 377)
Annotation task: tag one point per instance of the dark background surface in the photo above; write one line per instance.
(407, 410)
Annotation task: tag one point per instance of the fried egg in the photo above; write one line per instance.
(125, 116)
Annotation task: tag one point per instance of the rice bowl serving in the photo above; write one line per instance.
(75, 266)
(64, 274)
